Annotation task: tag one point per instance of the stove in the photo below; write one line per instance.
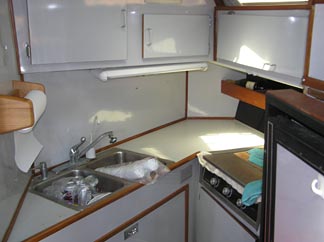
(224, 175)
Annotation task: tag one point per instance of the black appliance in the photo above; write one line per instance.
(293, 179)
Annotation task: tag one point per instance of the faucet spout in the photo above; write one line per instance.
(109, 134)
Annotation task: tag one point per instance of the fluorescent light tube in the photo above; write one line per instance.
(105, 75)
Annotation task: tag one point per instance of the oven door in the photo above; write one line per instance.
(214, 222)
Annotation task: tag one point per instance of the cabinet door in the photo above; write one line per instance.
(270, 41)
(213, 223)
(317, 47)
(76, 31)
(175, 35)
(166, 223)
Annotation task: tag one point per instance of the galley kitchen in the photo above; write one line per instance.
(161, 120)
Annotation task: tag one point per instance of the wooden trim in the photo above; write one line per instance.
(25, 87)
(140, 135)
(14, 36)
(215, 33)
(246, 95)
(309, 41)
(100, 204)
(187, 94)
(16, 213)
(66, 222)
(230, 214)
(151, 209)
(210, 118)
(267, 7)
(314, 83)
(318, 1)
(301, 102)
(142, 36)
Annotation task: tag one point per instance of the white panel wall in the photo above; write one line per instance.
(127, 106)
(205, 98)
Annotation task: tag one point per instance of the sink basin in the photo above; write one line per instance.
(116, 156)
(66, 187)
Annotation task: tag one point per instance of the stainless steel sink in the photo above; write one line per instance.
(66, 187)
(116, 156)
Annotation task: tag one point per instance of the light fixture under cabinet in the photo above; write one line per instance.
(105, 75)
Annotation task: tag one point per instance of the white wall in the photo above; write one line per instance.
(205, 98)
(12, 181)
(126, 106)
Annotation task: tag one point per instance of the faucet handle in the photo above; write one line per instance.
(75, 148)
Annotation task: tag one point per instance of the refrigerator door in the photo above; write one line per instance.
(299, 208)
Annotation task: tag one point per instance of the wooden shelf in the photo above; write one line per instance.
(16, 112)
(246, 95)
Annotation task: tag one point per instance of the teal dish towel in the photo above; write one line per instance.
(256, 156)
(251, 192)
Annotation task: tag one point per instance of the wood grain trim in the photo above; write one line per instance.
(104, 202)
(25, 87)
(314, 83)
(14, 35)
(246, 95)
(267, 7)
(210, 118)
(299, 101)
(16, 213)
(16, 113)
(215, 33)
(123, 226)
(309, 41)
(187, 94)
(230, 214)
(140, 134)
(142, 36)
(318, 1)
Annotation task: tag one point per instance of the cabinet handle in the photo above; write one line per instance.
(149, 36)
(124, 18)
(28, 50)
(269, 67)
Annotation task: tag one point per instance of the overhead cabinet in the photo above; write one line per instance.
(76, 31)
(267, 43)
(175, 35)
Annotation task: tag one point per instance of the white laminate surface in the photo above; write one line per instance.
(185, 138)
(174, 142)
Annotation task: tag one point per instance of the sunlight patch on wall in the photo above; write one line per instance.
(231, 140)
(165, 46)
(111, 116)
(250, 58)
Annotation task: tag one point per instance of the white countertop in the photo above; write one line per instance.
(174, 142)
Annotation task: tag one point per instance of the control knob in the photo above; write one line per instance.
(227, 191)
(240, 204)
(214, 182)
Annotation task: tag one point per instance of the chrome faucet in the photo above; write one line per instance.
(75, 154)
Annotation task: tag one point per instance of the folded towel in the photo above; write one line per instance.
(252, 192)
(256, 156)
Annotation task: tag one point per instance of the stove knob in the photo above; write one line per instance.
(227, 191)
(240, 204)
(214, 182)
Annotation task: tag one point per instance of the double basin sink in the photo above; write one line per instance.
(80, 186)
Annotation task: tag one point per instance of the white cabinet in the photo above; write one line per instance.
(263, 42)
(76, 31)
(166, 223)
(175, 35)
(213, 223)
(317, 47)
